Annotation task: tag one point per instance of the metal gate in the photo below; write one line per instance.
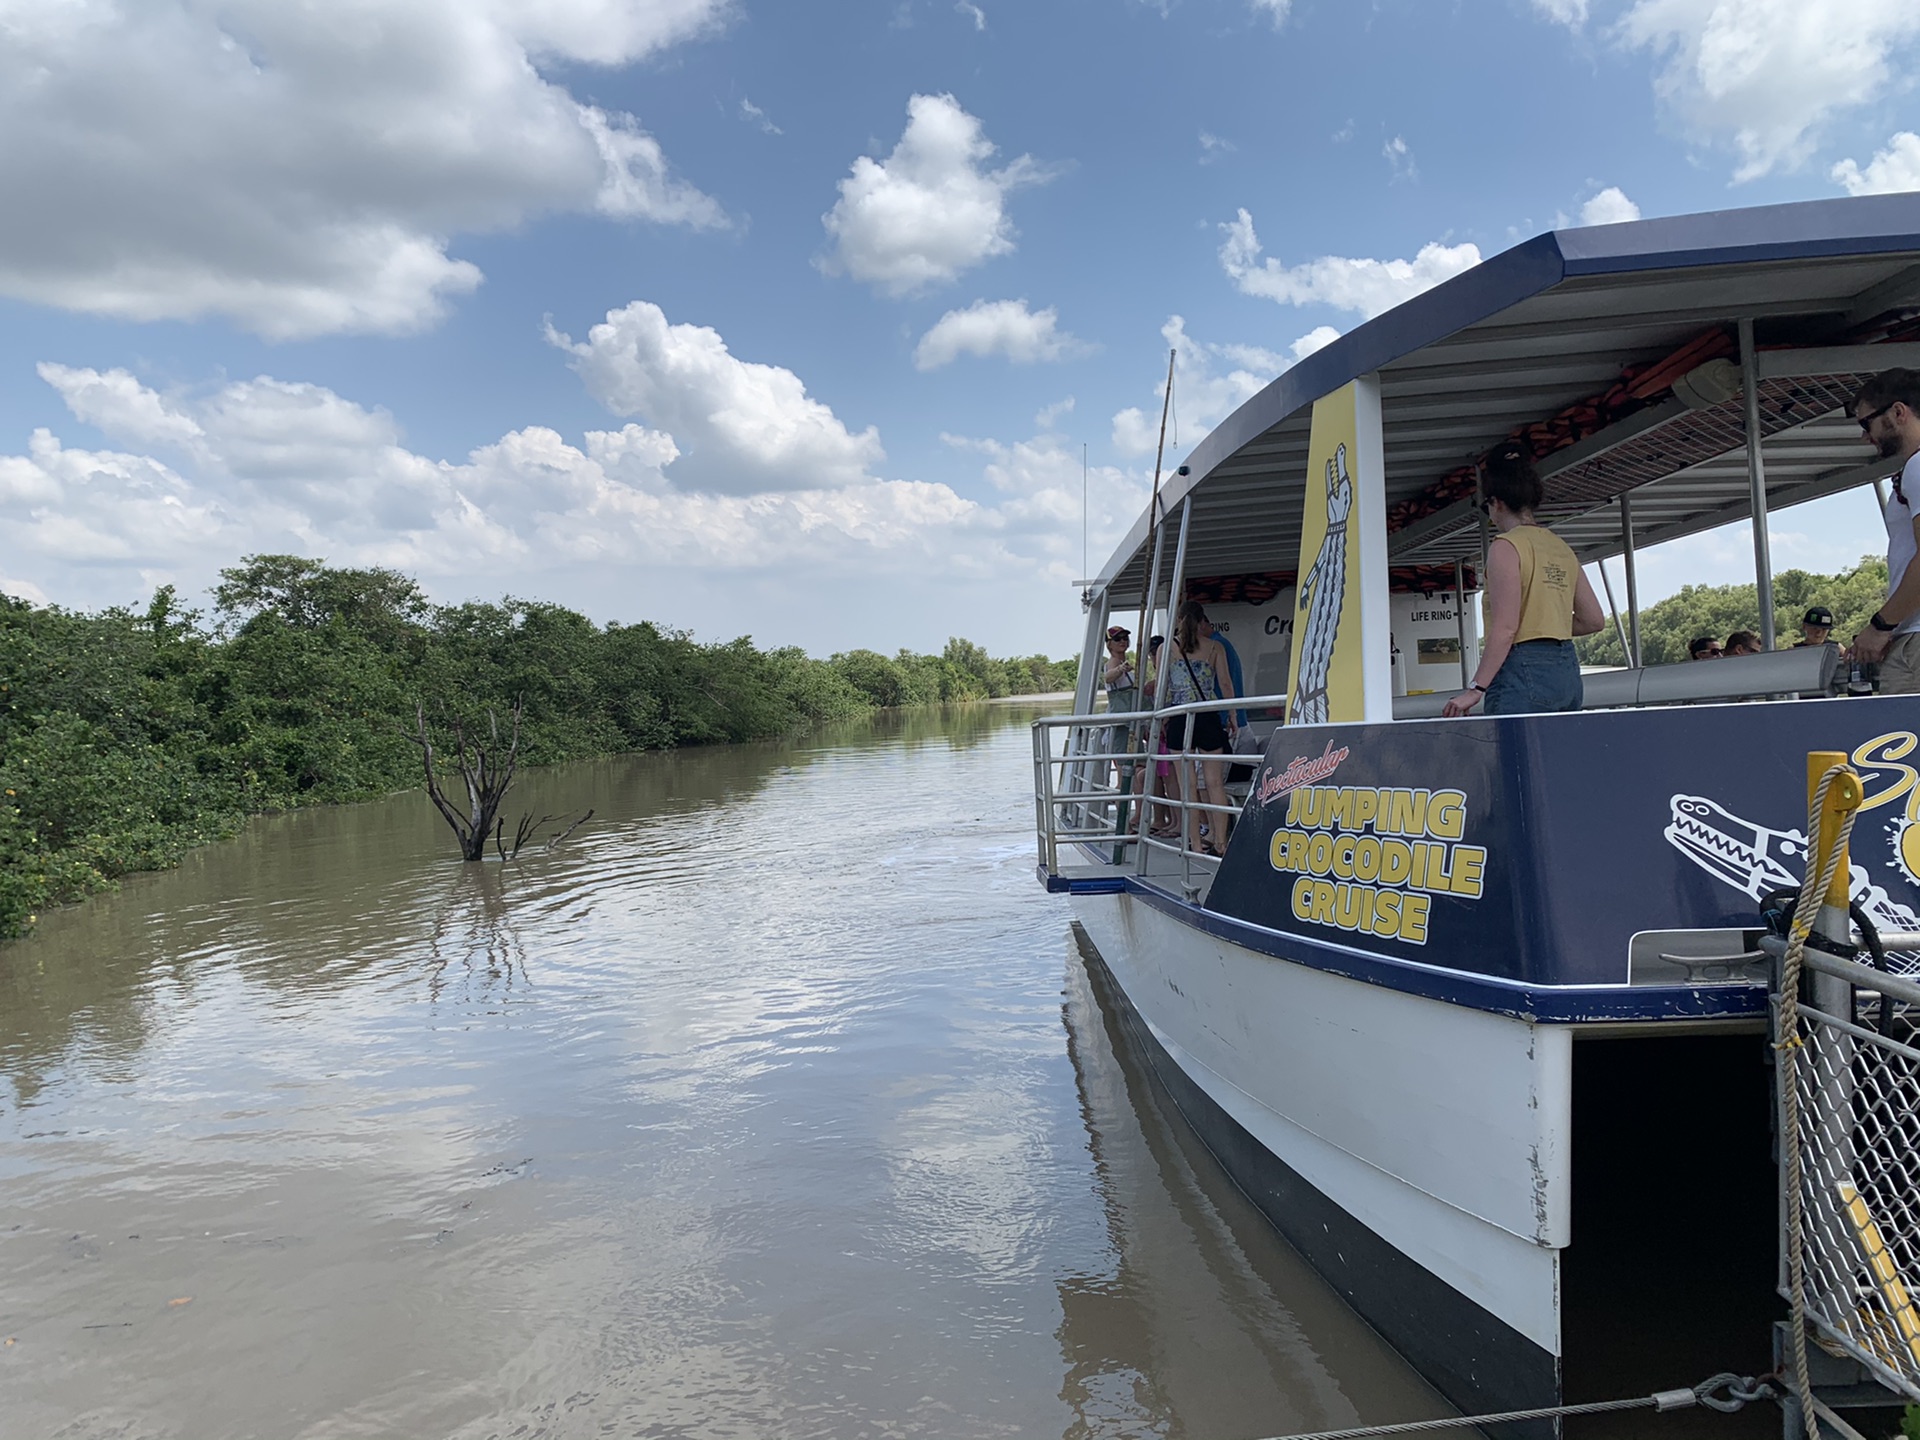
(1856, 1074)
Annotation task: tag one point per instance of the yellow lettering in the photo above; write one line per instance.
(1348, 916)
(1320, 853)
(1468, 863)
(1321, 908)
(1339, 814)
(1366, 804)
(1296, 802)
(1366, 859)
(1302, 893)
(1396, 862)
(1419, 877)
(1386, 912)
(1437, 878)
(1408, 813)
(1881, 753)
(1447, 814)
(1343, 857)
(1413, 919)
(1279, 848)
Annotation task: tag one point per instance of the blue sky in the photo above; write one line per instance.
(794, 320)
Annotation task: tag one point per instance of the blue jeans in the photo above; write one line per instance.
(1536, 677)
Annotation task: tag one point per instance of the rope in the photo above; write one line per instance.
(1740, 1389)
(1813, 891)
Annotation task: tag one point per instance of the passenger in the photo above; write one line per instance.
(1123, 686)
(1123, 695)
(1888, 409)
(1815, 626)
(1163, 826)
(1197, 670)
(1744, 642)
(1537, 600)
(1704, 647)
(1213, 632)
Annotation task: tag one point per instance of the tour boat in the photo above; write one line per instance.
(1472, 1008)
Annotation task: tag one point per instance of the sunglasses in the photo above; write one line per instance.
(1866, 421)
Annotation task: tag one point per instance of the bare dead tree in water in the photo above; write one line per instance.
(485, 764)
(527, 829)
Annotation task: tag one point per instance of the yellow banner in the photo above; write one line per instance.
(1329, 641)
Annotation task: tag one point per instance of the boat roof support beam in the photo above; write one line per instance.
(1837, 360)
(1757, 483)
(1633, 588)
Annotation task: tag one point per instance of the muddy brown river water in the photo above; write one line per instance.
(776, 1103)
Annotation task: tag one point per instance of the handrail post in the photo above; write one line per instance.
(1757, 484)
(1160, 683)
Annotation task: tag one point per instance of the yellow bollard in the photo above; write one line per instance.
(1844, 796)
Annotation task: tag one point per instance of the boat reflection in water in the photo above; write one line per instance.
(1207, 1323)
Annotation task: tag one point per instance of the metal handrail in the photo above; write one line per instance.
(1051, 802)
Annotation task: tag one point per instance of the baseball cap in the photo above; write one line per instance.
(1119, 632)
(1818, 615)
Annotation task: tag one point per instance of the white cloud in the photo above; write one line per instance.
(276, 466)
(1764, 75)
(1571, 13)
(929, 211)
(996, 327)
(1609, 207)
(1895, 168)
(119, 404)
(752, 112)
(1048, 416)
(1399, 159)
(300, 169)
(742, 427)
(1209, 382)
(1040, 482)
(1366, 286)
(272, 465)
(973, 12)
(1213, 148)
(1317, 338)
(1274, 10)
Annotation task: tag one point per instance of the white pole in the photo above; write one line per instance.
(1633, 587)
(1757, 485)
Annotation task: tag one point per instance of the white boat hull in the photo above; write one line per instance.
(1417, 1152)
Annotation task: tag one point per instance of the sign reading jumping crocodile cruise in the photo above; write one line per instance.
(1536, 847)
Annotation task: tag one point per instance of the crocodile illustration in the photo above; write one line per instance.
(1322, 593)
(1755, 859)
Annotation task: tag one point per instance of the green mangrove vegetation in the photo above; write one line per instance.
(1719, 610)
(127, 737)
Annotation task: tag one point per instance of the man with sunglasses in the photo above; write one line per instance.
(1888, 411)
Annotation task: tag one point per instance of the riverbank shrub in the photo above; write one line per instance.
(127, 737)
(1719, 610)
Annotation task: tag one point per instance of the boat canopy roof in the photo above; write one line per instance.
(1573, 341)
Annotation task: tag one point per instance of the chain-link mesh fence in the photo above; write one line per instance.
(1857, 1073)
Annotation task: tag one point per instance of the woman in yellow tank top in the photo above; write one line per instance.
(1537, 600)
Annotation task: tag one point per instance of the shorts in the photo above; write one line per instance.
(1537, 677)
(1900, 670)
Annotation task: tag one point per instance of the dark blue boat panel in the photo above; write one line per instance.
(1530, 849)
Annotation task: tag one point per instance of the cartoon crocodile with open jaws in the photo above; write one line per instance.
(1756, 859)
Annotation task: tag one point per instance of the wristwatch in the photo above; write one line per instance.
(1881, 625)
(1478, 686)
